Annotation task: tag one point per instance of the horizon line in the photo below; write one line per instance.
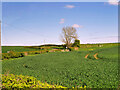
(60, 44)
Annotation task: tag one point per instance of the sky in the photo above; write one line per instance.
(59, 0)
(37, 23)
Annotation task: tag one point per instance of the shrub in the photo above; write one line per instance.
(5, 56)
(33, 52)
(30, 52)
(64, 46)
(37, 52)
(71, 49)
(12, 54)
(43, 51)
(19, 81)
(22, 54)
(76, 43)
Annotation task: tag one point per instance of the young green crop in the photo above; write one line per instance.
(69, 69)
(16, 49)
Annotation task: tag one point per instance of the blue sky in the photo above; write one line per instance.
(42, 22)
(56, 0)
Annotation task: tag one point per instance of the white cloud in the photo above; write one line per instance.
(69, 6)
(113, 2)
(62, 21)
(77, 26)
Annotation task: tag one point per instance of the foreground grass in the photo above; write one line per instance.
(69, 69)
(19, 81)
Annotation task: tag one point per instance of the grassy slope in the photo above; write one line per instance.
(16, 49)
(107, 54)
(68, 68)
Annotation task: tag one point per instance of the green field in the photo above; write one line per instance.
(70, 69)
(16, 49)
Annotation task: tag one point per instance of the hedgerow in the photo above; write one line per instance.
(12, 54)
(33, 52)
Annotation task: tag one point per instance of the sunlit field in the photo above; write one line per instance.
(70, 69)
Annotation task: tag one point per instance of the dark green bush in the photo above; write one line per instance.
(22, 55)
(36, 52)
(32, 52)
(12, 54)
(71, 49)
(76, 43)
(5, 56)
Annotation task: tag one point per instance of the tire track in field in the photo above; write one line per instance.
(86, 56)
(95, 56)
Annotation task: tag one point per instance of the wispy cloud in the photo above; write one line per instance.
(69, 6)
(62, 20)
(77, 26)
(113, 2)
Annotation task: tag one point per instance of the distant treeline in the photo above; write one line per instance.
(81, 45)
(98, 45)
(51, 45)
(46, 46)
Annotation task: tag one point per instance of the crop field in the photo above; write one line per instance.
(16, 49)
(27, 48)
(94, 67)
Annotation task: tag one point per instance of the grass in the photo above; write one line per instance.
(16, 49)
(27, 48)
(109, 53)
(70, 69)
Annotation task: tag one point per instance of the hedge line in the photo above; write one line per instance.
(12, 54)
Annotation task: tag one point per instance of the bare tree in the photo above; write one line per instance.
(68, 35)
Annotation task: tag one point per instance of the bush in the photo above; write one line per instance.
(64, 46)
(19, 81)
(71, 49)
(22, 54)
(5, 56)
(37, 52)
(43, 51)
(76, 43)
(33, 52)
(12, 54)
(11, 81)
